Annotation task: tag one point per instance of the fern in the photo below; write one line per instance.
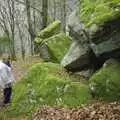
(98, 11)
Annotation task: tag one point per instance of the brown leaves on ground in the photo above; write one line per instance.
(96, 111)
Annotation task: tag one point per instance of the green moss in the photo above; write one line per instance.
(46, 84)
(49, 31)
(59, 45)
(106, 82)
(98, 11)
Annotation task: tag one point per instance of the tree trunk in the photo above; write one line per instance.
(63, 14)
(11, 8)
(21, 41)
(30, 27)
(54, 2)
(44, 13)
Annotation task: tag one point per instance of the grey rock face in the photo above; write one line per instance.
(107, 46)
(93, 45)
(44, 52)
(77, 29)
(78, 57)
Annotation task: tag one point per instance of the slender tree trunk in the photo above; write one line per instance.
(34, 26)
(64, 9)
(44, 13)
(11, 8)
(30, 27)
(54, 2)
(22, 43)
(34, 17)
(13, 46)
(63, 14)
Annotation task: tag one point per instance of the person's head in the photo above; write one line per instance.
(6, 59)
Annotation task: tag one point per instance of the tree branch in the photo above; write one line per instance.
(23, 3)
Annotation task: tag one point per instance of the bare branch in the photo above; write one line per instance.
(23, 3)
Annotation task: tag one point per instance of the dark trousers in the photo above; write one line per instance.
(7, 94)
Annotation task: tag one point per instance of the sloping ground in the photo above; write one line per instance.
(97, 111)
(19, 68)
(45, 84)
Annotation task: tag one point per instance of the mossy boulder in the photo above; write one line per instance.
(52, 42)
(58, 45)
(46, 84)
(49, 31)
(105, 84)
(98, 11)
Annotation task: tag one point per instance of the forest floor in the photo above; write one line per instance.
(96, 111)
(21, 67)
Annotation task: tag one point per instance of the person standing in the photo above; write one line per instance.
(6, 80)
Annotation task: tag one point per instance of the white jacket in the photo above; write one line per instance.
(6, 75)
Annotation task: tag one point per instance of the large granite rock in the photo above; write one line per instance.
(80, 54)
(107, 49)
(78, 57)
(77, 29)
(91, 45)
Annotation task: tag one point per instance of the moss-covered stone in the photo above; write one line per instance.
(98, 11)
(105, 84)
(57, 42)
(49, 31)
(46, 84)
(59, 45)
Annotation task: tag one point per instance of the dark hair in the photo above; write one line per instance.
(7, 62)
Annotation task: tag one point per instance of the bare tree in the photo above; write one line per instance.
(54, 2)
(63, 14)
(32, 6)
(30, 26)
(36, 18)
(7, 22)
(20, 23)
(21, 35)
(44, 13)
